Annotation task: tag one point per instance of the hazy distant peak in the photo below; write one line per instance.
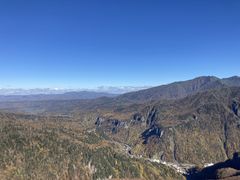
(121, 89)
(45, 91)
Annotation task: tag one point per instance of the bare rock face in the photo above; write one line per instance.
(235, 108)
(151, 119)
(198, 129)
(153, 131)
(99, 121)
(137, 118)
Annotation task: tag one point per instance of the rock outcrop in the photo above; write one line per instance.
(235, 107)
(188, 130)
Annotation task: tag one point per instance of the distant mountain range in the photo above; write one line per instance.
(101, 89)
(187, 123)
(85, 100)
(129, 94)
(47, 97)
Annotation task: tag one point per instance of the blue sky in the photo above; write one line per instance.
(85, 44)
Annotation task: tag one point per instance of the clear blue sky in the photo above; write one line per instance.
(89, 43)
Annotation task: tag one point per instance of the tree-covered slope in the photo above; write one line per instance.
(63, 150)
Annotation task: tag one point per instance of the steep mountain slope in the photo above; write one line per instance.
(232, 81)
(198, 129)
(181, 89)
(57, 149)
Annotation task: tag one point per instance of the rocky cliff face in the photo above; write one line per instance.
(198, 129)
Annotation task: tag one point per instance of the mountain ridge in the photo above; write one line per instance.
(197, 125)
(181, 89)
(176, 90)
(185, 130)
